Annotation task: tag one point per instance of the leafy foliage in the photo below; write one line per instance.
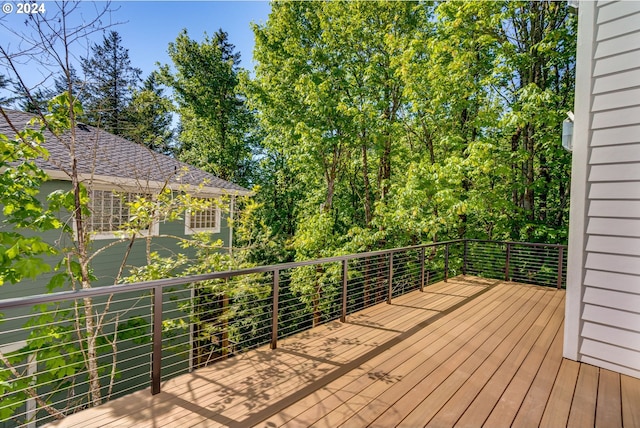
(404, 122)
(149, 116)
(216, 128)
(21, 248)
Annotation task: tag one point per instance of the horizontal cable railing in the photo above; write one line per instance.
(531, 263)
(53, 362)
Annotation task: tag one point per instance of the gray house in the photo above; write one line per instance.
(114, 171)
(602, 322)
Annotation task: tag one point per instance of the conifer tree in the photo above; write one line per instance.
(111, 79)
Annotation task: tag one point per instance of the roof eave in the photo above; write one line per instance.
(135, 184)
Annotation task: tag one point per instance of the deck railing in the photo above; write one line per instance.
(152, 331)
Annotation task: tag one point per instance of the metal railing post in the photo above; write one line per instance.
(343, 315)
(422, 269)
(560, 266)
(390, 292)
(507, 261)
(225, 323)
(274, 312)
(156, 356)
(464, 259)
(446, 262)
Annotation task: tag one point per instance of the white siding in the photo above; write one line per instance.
(615, 209)
(612, 281)
(614, 82)
(618, 45)
(618, 117)
(616, 154)
(616, 99)
(616, 28)
(614, 245)
(627, 190)
(614, 227)
(616, 172)
(606, 292)
(614, 11)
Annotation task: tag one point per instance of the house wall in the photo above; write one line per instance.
(106, 265)
(603, 292)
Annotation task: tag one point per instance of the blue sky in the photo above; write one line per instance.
(151, 25)
(147, 27)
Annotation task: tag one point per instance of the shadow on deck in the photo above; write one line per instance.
(468, 352)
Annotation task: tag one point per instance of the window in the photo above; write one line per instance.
(110, 212)
(204, 220)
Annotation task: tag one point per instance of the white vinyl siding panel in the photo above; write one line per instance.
(615, 354)
(615, 172)
(613, 299)
(614, 227)
(615, 82)
(625, 190)
(613, 281)
(614, 245)
(617, 10)
(616, 28)
(614, 209)
(615, 136)
(613, 263)
(615, 154)
(602, 333)
(611, 317)
(618, 45)
(617, 63)
(610, 332)
(616, 100)
(619, 117)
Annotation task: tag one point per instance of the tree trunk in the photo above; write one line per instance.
(367, 187)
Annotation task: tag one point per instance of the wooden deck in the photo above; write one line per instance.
(470, 352)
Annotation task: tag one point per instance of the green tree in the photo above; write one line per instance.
(111, 80)
(331, 100)
(402, 122)
(506, 112)
(36, 100)
(149, 117)
(217, 131)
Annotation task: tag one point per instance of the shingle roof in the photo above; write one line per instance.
(100, 153)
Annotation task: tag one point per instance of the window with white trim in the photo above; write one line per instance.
(110, 212)
(203, 220)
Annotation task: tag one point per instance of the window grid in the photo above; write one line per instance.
(204, 219)
(109, 210)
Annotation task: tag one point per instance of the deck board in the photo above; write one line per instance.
(609, 405)
(432, 366)
(556, 413)
(398, 366)
(468, 352)
(630, 391)
(532, 407)
(583, 407)
(497, 346)
(498, 366)
(520, 363)
(406, 359)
